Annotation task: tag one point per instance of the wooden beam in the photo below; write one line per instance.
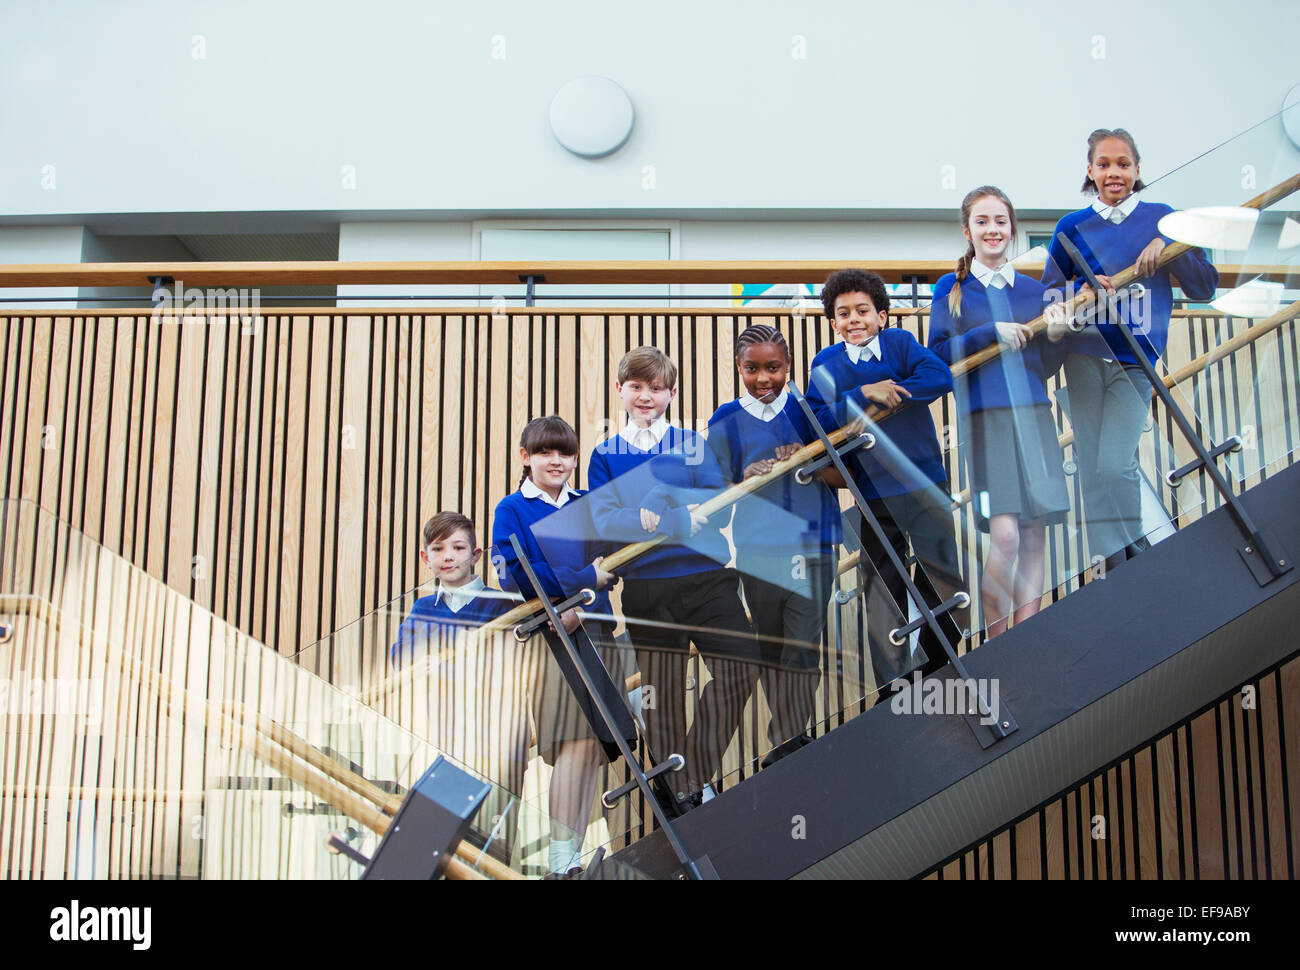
(473, 272)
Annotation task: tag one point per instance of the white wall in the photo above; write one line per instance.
(287, 93)
(40, 244)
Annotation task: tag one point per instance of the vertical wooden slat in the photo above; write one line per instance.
(187, 415)
(352, 452)
(315, 463)
(290, 541)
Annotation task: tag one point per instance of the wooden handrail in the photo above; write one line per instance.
(353, 795)
(473, 272)
(1190, 369)
(735, 493)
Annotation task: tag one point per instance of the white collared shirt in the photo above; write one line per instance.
(871, 347)
(635, 436)
(459, 596)
(1004, 275)
(530, 489)
(1116, 213)
(764, 412)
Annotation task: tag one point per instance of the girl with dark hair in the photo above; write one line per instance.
(1109, 392)
(785, 534)
(570, 733)
(1008, 435)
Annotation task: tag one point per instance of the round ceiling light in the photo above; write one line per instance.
(592, 117)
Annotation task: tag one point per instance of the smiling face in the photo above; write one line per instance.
(550, 469)
(764, 369)
(1113, 170)
(645, 400)
(990, 230)
(452, 558)
(857, 320)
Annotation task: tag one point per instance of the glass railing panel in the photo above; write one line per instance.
(1045, 499)
(187, 749)
(1228, 343)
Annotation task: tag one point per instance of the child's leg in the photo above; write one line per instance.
(1127, 404)
(887, 660)
(1000, 574)
(929, 527)
(1029, 569)
(805, 621)
(661, 657)
(1086, 386)
(573, 786)
(709, 603)
(766, 607)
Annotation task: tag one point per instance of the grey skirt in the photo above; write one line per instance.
(1016, 465)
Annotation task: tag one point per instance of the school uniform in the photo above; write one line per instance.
(786, 537)
(475, 692)
(901, 477)
(679, 590)
(1109, 393)
(438, 617)
(1008, 435)
(563, 709)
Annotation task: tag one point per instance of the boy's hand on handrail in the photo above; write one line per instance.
(886, 393)
(785, 451)
(759, 468)
(603, 576)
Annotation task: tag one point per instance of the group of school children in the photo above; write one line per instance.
(762, 620)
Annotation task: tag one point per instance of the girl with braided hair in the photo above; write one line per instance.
(786, 534)
(1012, 453)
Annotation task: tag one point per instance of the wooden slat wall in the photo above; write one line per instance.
(1217, 797)
(278, 475)
(247, 468)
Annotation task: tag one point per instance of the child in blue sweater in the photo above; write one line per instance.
(461, 601)
(1109, 393)
(902, 476)
(570, 731)
(787, 563)
(1010, 440)
(650, 479)
(475, 694)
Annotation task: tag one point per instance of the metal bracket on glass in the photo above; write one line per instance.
(898, 636)
(866, 441)
(1000, 725)
(337, 843)
(584, 597)
(691, 869)
(610, 798)
(1263, 557)
(1175, 477)
(1081, 321)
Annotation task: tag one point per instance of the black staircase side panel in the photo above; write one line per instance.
(1104, 670)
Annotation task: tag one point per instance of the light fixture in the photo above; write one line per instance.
(1256, 298)
(592, 117)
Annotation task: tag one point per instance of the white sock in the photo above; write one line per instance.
(562, 855)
